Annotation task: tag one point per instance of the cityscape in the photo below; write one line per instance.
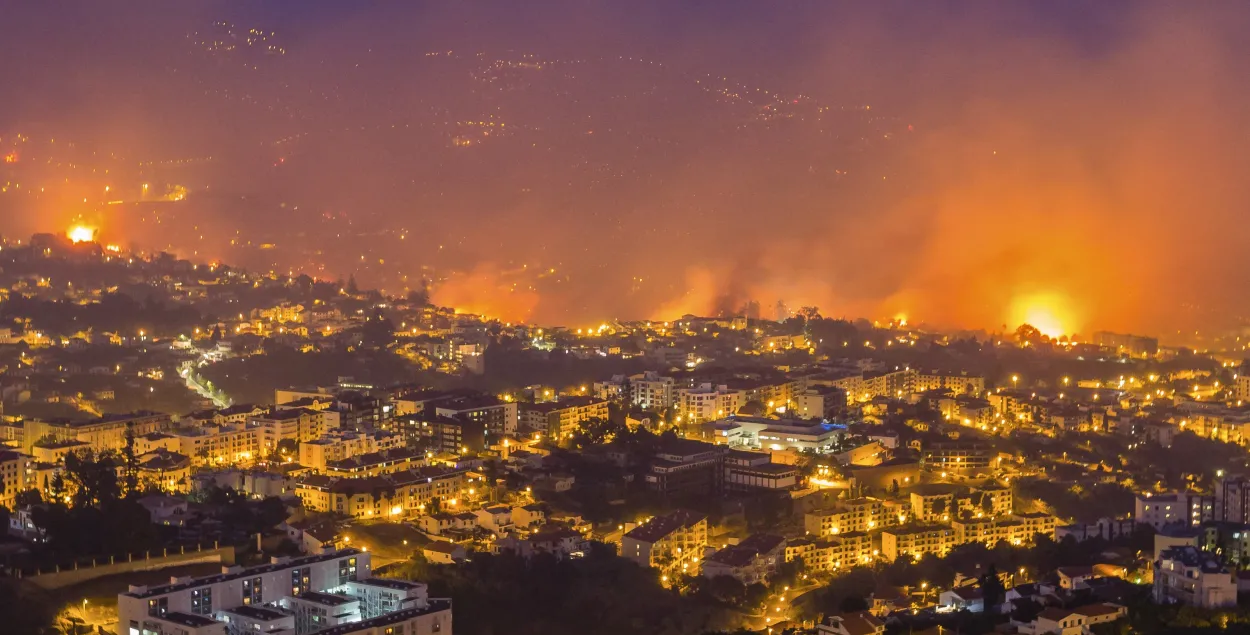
(320, 318)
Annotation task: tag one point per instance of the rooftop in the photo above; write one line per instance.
(241, 572)
(188, 619)
(661, 526)
(256, 612)
(434, 606)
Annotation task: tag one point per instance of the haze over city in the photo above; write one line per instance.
(971, 165)
(624, 317)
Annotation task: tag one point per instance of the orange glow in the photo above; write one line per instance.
(10, 157)
(81, 234)
(1050, 313)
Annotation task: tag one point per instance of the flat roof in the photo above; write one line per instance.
(256, 612)
(241, 573)
(434, 606)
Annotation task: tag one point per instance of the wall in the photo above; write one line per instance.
(85, 572)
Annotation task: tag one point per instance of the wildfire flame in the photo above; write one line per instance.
(81, 234)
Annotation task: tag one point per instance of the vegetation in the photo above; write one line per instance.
(599, 593)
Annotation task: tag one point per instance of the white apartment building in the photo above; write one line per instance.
(330, 594)
(706, 402)
(146, 610)
(1183, 508)
(1186, 575)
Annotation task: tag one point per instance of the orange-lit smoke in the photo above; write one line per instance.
(485, 290)
(1071, 189)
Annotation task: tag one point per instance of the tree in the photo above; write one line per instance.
(352, 289)
(28, 498)
(992, 589)
(130, 463)
(894, 487)
(1028, 334)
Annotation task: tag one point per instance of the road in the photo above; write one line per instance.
(202, 386)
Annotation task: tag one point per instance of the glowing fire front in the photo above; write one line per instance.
(81, 234)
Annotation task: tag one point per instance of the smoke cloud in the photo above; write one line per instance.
(967, 165)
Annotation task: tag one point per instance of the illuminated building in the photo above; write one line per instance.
(397, 494)
(1186, 575)
(555, 419)
(858, 514)
(778, 434)
(1124, 344)
(15, 476)
(237, 586)
(294, 424)
(753, 560)
(1176, 508)
(956, 456)
(706, 402)
(745, 471)
(223, 444)
(338, 445)
(104, 433)
(958, 383)
(914, 541)
(672, 543)
(167, 471)
(830, 553)
(687, 467)
(376, 463)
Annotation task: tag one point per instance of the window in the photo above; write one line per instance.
(158, 607)
(299, 580)
(252, 591)
(347, 570)
(202, 601)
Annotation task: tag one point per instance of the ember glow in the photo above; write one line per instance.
(81, 234)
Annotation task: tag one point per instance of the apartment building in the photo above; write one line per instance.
(957, 457)
(376, 463)
(560, 419)
(914, 541)
(672, 543)
(835, 552)
(218, 444)
(338, 445)
(394, 495)
(294, 424)
(855, 515)
(1037, 523)
(686, 466)
(1187, 575)
(163, 609)
(1175, 508)
(706, 402)
(651, 391)
(103, 433)
(753, 560)
(958, 383)
(16, 476)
